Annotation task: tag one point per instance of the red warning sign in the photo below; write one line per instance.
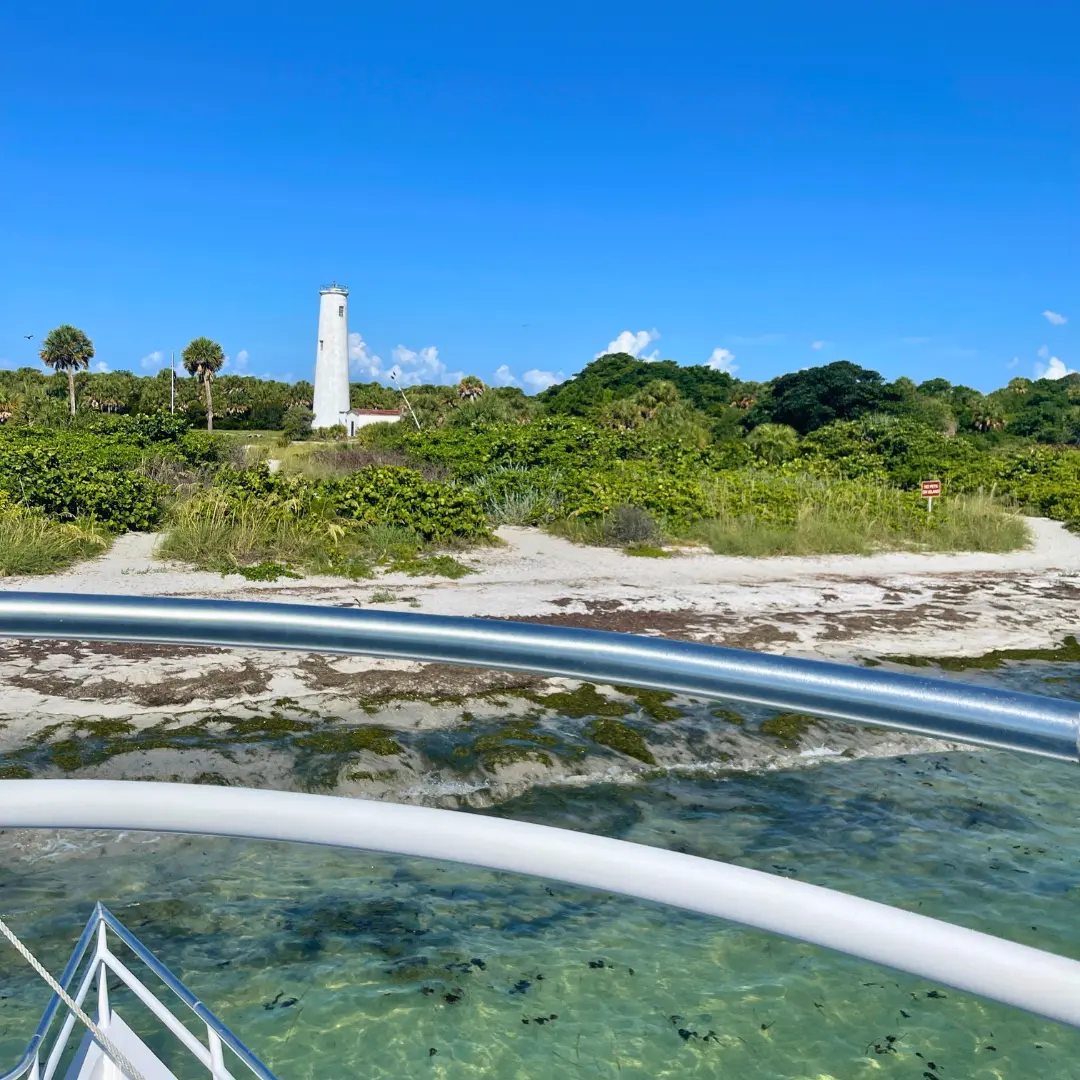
(931, 489)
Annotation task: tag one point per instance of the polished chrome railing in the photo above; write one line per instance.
(945, 710)
(102, 962)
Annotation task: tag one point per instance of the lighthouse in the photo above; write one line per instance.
(331, 403)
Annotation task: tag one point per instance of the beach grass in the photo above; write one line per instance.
(34, 544)
(824, 519)
(214, 532)
(872, 526)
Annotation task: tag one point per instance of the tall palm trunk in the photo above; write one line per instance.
(209, 406)
(71, 391)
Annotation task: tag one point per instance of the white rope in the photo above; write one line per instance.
(106, 1044)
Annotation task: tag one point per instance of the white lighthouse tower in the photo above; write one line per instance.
(331, 403)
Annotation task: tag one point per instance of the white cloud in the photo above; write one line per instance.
(721, 360)
(154, 361)
(1044, 351)
(634, 344)
(1013, 362)
(101, 367)
(238, 365)
(540, 380)
(818, 344)
(1054, 319)
(532, 382)
(1054, 370)
(362, 362)
(410, 367)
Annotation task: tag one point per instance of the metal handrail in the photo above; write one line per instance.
(1001, 970)
(101, 920)
(228, 1037)
(1004, 971)
(946, 710)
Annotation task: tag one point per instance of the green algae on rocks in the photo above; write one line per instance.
(383, 776)
(86, 743)
(653, 702)
(788, 728)
(579, 703)
(1067, 652)
(729, 715)
(517, 740)
(349, 740)
(621, 737)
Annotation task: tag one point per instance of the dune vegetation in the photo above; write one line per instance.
(649, 457)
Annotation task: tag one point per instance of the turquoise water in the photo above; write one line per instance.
(334, 963)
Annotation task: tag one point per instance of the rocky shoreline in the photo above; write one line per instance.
(455, 736)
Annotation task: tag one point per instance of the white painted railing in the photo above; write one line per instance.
(966, 959)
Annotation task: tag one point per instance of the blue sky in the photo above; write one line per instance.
(508, 188)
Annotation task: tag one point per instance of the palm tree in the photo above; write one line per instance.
(470, 387)
(773, 443)
(622, 414)
(203, 359)
(654, 394)
(987, 418)
(67, 349)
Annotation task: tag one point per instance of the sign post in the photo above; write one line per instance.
(931, 489)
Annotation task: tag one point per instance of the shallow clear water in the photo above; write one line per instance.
(390, 959)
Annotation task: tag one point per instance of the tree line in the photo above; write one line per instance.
(694, 403)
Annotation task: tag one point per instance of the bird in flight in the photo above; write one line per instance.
(28, 336)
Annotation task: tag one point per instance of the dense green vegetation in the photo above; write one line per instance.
(628, 453)
(610, 390)
(65, 491)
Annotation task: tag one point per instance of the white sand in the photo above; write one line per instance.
(837, 607)
(834, 605)
(840, 608)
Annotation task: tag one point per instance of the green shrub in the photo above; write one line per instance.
(804, 516)
(266, 571)
(648, 551)
(79, 476)
(630, 525)
(391, 543)
(517, 495)
(432, 566)
(297, 422)
(393, 495)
